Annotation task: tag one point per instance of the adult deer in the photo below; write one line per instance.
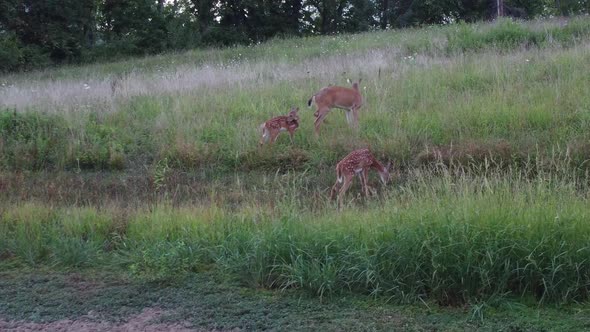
(348, 99)
(358, 162)
(273, 127)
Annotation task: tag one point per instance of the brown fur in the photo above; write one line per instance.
(271, 129)
(348, 99)
(358, 162)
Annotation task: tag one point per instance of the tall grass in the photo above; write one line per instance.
(488, 125)
(449, 239)
(534, 100)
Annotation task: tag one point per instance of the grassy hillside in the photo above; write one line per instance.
(152, 167)
(509, 89)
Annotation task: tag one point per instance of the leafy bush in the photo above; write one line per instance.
(11, 53)
(15, 56)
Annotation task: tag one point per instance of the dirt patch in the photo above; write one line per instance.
(144, 321)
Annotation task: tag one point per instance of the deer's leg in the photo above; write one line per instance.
(360, 176)
(355, 116)
(343, 189)
(291, 133)
(321, 114)
(317, 113)
(348, 117)
(274, 135)
(334, 189)
(365, 181)
(339, 178)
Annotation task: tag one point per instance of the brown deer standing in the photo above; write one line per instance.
(357, 162)
(348, 99)
(273, 127)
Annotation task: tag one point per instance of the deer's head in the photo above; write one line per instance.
(385, 176)
(293, 114)
(355, 85)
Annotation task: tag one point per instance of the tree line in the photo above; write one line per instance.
(38, 33)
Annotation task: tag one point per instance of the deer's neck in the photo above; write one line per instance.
(378, 166)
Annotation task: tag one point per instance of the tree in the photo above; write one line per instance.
(134, 26)
(330, 13)
(360, 15)
(182, 25)
(59, 28)
(384, 14)
(204, 12)
(41, 32)
(572, 7)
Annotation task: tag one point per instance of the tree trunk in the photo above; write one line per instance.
(324, 18)
(500, 8)
(385, 14)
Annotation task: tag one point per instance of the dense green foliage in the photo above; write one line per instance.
(38, 33)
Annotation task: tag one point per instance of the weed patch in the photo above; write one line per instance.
(31, 141)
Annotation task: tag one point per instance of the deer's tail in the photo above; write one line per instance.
(263, 133)
(311, 101)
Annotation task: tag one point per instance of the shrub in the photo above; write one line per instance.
(11, 53)
(15, 56)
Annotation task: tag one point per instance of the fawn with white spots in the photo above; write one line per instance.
(272, 128)
(348, 99)
(358, 162)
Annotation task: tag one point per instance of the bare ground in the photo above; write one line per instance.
(146, 321)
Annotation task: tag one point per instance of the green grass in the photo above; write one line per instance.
(209, 303)
(450, 240)
(536, 99)
(150, 167)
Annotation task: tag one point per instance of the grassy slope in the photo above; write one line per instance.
(500, 216)
(530, 101)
